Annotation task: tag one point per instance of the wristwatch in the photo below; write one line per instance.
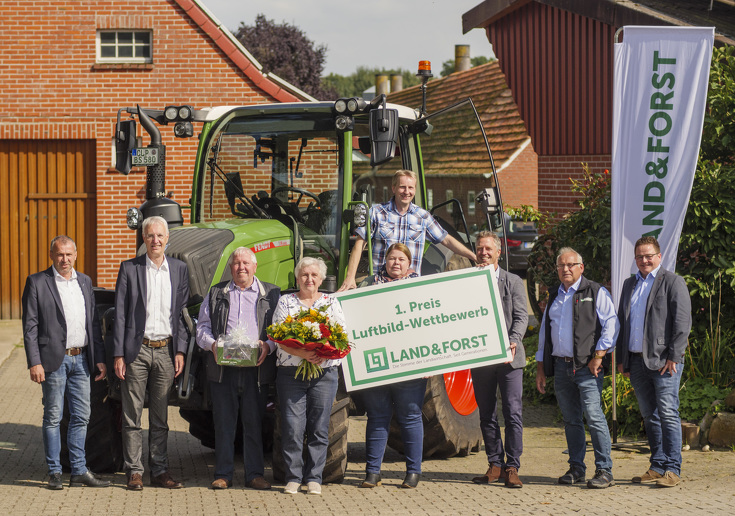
(600, 354)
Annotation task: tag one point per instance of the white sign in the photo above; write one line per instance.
(422, 327)
(661, 77)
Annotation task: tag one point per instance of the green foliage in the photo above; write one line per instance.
(587, 230)
(448, 66)
(628, 414)
(718, 136)
(696, 396)
(355, 84)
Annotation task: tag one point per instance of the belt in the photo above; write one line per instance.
(157, 343)
(637, 355)
(72, 352)
(565, 359)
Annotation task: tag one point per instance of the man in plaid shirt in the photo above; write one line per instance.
(400, 220)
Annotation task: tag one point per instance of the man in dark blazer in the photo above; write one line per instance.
(150, 341)
(63, 343)
(503, 463)
(655, 314)
(248, 303)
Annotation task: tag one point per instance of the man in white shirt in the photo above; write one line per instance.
(150, 341)
(63, 343)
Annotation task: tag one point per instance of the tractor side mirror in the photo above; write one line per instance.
(383, 135)
(124, 144)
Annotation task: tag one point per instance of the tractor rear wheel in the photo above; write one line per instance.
(451, 418)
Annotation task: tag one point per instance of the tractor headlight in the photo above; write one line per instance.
(134, 218)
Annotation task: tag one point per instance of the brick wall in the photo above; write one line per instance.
(519, 181)
(51, 87)
(554, 173)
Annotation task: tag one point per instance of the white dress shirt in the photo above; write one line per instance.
(75, 314)
(158, 300)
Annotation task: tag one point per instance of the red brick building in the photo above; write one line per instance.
(66, 69)
(557, 56)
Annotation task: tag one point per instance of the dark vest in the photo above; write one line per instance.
(219, 312)
(586, 327)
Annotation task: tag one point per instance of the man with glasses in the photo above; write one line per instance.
(655, 316)
(578, 329)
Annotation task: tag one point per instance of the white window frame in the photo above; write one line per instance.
(449, 196)
(386, 195)
(129, 59)
(471, 202)
(430, 198)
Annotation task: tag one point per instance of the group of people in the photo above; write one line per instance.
(580, 326)
(649, 330)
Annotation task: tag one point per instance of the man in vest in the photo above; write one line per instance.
(655, 316)
(578, 329)
(247, 304)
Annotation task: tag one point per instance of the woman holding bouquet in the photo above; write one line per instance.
(306, 401)
(405, 398)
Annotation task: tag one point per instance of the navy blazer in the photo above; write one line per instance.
(44, 324)
(130, 307)
(514, 301)
(667, 323)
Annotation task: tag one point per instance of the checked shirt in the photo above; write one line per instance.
(412, 229)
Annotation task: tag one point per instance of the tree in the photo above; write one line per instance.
(284, 50)
(355, 84)
(448, 66)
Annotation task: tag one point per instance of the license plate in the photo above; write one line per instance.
(145, 156)
(527, 245)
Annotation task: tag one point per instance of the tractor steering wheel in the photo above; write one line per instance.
(299, 191)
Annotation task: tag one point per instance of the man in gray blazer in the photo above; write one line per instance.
(503, 463)
(150, 341)
(63, 343)
(655, 314)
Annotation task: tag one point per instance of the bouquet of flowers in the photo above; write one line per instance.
(237, 349)
(311, 330)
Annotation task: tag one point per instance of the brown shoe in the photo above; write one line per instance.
(649, 477)
(494, 473)
(258, 483)
(220, 483)
(511, 478)
(670, 479)
(135, 482)
(165, 480)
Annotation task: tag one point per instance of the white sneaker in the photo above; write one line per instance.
(315, 488)
(292, 488)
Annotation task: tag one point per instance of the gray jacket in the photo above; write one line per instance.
(514, 301)
(668, 321)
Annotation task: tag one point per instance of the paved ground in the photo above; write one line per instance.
(708, 487)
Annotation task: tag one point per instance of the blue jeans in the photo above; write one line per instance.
(486, 381)
(306, 406)
(72, 379)
(658, 399)
(407, 399)
(578, 394)
(239, 393)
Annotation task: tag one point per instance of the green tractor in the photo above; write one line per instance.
(292, 180)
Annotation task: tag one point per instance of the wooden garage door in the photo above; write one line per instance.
(47, 188)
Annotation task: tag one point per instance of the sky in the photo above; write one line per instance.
(391, 34)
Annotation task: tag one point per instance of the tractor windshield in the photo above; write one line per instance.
(280, 166)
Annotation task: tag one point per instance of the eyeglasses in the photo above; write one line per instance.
(640, 257)
(570, 266)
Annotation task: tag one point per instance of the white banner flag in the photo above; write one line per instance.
(661, 77)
